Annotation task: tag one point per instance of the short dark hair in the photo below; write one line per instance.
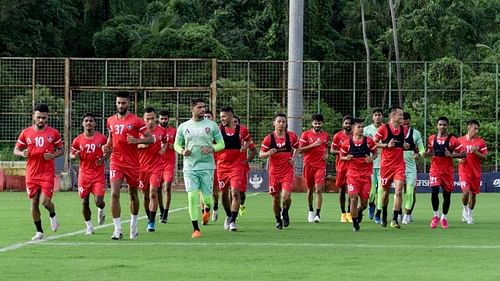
(317, 117)
(164, 112)
(227, 108)
(280, 114)
(394, 108)
(443, 118)
(149, 109)
(195, 101)
(123, 95)
(347, 117)
(238, 118)
(406, 116)
(358, 121)
(377, 110)
(209, 112)
(88, 114)
(473, 122)
(41, 107)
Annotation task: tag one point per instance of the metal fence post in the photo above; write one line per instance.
(319, 87)
(33, 82)
(67, 115)
(425, 111)
(213, 87)
(496, 118)
(354, 89)
(248, 94)
(461, 96)
(390, 84)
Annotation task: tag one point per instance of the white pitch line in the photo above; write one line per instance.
(54, 237)
(271, 244)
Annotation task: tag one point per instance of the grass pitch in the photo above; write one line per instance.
(325, 251)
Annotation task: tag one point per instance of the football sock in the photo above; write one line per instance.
(446, 201)
(435, 198)
(38, 225)
(193, 205)
(234, 215)
(195, 225)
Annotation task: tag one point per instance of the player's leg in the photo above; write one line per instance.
(167, 191)
(342, 198)
(34, 195)
(465, 198)
(225, 191)
(398, 199)
(371, 199)
(116, 179)
(386, 185)
(160, 200)
(153, 207)
(353, 196)
(132, 177)
(276, 194)
(192, 184)
(235, 207)
(435, 206)
(215, 192)
(243, 191)
(380, 191)
(146, 197)
(286, 201)
(409, 197)
(319, 186)
(87, 213)
(47, 189)
(475, 183)
(206, 178)
(100, 204)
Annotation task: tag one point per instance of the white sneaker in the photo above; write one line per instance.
(226, 223)
(406, 219)
(310, 217)
(400, 217)
(233, 227)
(470, 220)
(464, 214)
(215, 215)
(133, 232)
(116, 235)
(38, 236)
(316, 219)
(100, 216)
(89, 231)
(54, 224)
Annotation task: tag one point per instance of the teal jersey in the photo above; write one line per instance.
(411, 165)
(370, 131)
(193, 135)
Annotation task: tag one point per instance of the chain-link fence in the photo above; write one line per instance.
(255, 89)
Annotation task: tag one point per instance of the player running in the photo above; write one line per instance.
(341, 166)
(376, 190)
(195, 142)
(469, 168)
(281, 148)
(40, 144)
(215, 214)
(358, 152)
(169, 166)
(91, 178)
(314, 145)
(443, 147)
(125, 129)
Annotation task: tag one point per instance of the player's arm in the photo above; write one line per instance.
(57, 152)
(308, 147)
(429, 152)
(148, 138)
(179, 145)
(344, 155)
(21, 152)
(219, 142)
(458, 152)
(265, 151)
(74, 151)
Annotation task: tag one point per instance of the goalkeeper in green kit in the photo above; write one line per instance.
(195, 142)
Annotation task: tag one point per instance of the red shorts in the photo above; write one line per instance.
(389, 174)
(168, 172)
(341, 178)
(150, 179)
(231, 178)
(95, 186)
(47, 188)
(244, 179)
(359, 186)
(444, 180)
(314, 176)
(131, 175)
(276, 184)
(470, 183)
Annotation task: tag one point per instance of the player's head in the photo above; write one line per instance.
(236, 120)
(346, 123)
(88, 121)
(198, 108)
(279, 122)
(396, 114)
(164, 117)
(40, 115)
(406, 119)
(377, 116)
(150, 117)
(442, 124)
(317, 122)
(357, 126)
(226, 116)
(472, 127)
(122, 102)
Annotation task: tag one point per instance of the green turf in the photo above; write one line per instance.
(325, 251)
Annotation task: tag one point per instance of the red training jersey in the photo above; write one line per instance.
(39, 142)
(124, 153)
(357, 167)
(337, 141)
(443, 164)
(90, 150)
(229, 158)
(149, 157)
(278, 162)
(169, 156)
(472, 163)
(394, 156)
(314, 156)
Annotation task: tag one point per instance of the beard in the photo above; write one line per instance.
(164, 125)
(317, 130)
(347, 129)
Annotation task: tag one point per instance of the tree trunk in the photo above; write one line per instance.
(396, 51)
(367, 48)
